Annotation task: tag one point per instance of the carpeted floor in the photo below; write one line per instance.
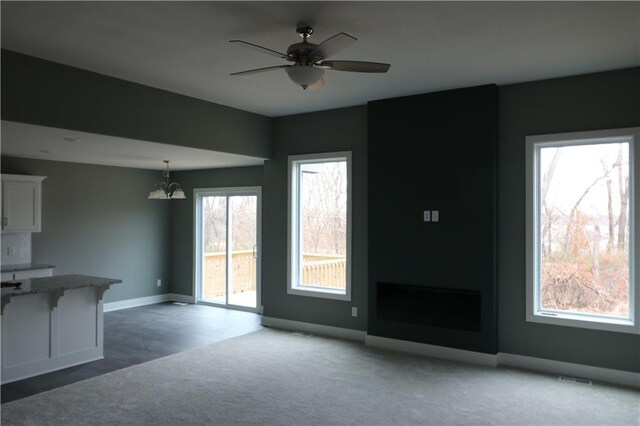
(278, 377)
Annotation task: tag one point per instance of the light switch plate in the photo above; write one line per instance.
(427, 216)
(435, 216)
(354, 311)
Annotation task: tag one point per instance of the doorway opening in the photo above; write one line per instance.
(227, 247)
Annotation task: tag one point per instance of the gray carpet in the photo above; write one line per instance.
(276, 377)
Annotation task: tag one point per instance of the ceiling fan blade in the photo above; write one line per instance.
(355, 66)
(260, 49)
(333, 45)
(317, 85)
(257, 70)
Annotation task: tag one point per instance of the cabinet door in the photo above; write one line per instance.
(20, 206)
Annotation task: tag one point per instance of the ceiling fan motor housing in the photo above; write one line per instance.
(299, 53)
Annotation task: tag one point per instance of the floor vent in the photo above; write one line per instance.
(179, 303)
(302, 333)
(575, 380)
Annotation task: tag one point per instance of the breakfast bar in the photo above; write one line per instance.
(51, 323)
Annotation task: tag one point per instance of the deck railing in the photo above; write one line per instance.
(330, 270)
(327, 270)
(243, 273)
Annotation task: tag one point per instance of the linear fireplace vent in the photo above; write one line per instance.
(433, 306)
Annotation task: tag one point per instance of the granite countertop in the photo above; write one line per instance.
(56, 284)
(24, 267)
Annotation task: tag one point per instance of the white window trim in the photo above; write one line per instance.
(292, 229)
(596, 322)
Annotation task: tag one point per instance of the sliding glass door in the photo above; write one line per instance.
(227, 239)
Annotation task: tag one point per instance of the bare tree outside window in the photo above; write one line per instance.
(215, 223)
(323, 218)
(584, 229)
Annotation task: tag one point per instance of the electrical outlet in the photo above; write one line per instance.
(354, 311)
(159, 282)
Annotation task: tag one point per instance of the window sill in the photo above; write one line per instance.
(319, 293)
(585, 321)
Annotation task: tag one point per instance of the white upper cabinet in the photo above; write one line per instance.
(21, 203)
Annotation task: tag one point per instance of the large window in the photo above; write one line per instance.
(320, 225)
(580, 218)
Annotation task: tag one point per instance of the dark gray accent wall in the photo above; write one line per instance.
(328, 131)
(435, 151)
(46, 93)
(589, 102)
(182, 216)
(97, 220)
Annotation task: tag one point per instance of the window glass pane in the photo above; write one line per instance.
(243, 240)
(584, 229)
(323, 224)
(214, 242)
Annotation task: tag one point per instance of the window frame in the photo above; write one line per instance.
(534, 313)
(293, 226)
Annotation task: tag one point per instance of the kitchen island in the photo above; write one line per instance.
(51, 323)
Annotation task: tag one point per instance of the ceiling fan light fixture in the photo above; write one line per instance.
(304, 75)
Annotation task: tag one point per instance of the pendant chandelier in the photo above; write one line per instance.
(166, 190)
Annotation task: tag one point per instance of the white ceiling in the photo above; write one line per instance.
(183, 46)
(48, 143)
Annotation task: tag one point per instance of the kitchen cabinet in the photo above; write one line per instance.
(21, 203)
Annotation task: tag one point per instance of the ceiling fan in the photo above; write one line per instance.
(308, 60)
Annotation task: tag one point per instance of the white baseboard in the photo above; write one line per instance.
(326, 330)
(149, 300)
(433, 351)
(132, 303)
(625, 378)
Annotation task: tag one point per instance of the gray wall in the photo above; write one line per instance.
(46, 93)
(589, 102)
(328, 131)
(182, 216)
(97, 220)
